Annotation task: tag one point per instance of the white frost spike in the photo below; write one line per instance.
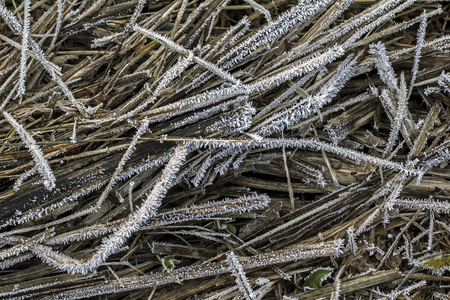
(99, 42)
(241, 279)
(168, 76)
(373, 12)
(208, 210)
(234, 121)
(400, 115)
(431, 90)
(279, 99)
(135, 16)
(173, 73)
(59, 20)
(352, 239)
(233, 34)
(260, 9)
(23, 58)
(7, 263)
(147, 210)
(441, 296)
(444, 81)
(285, 23)
(115, 177)
(73, 138)
(427, 204)
(430, 231)
(419, 44)
(24, 177)
(175, 47)
(384, 66)
(403, 292)
(442, 156)
(313, 144)
(42, 164)
(336, 286)
(24, 245)
(300, 68)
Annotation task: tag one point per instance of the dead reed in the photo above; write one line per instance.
(220, 149)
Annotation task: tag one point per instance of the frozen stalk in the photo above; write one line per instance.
(238, 146)
(126, 156)
(23, 57)
(384, 66)
(73, 138)
(177, 48)
(24, 176)
(25, 244)
(296, 253)
(241, 279)
(403, 292)
(337, 285)
(59, 20)
(260, 9)
(134, 222)
(444, 81)
(399, 116)
(419, 44)
(440, 207)
(208, 210)
(285, 23)
(352, 239)
(172, 73)
(42, 164)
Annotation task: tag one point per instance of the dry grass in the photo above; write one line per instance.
(172, 150)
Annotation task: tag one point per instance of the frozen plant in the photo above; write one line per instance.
(42, 164)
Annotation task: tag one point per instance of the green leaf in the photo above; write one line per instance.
(299, 90)
(169, 262)
(226, 226)
(393, 40)
(316, 277)
(231, 228)
(188, 75)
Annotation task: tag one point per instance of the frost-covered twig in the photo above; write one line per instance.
(437, 206)
(260, 9)
(444, 81)
(400, 114)
(175, 47)
(26, 244)
(337, 285)
(403, 292)
(241, 279)
(23, 57)
(130, 226)
(384, 66)
(299, 252)
(313, 144)
(42, 164)
(419, 44)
